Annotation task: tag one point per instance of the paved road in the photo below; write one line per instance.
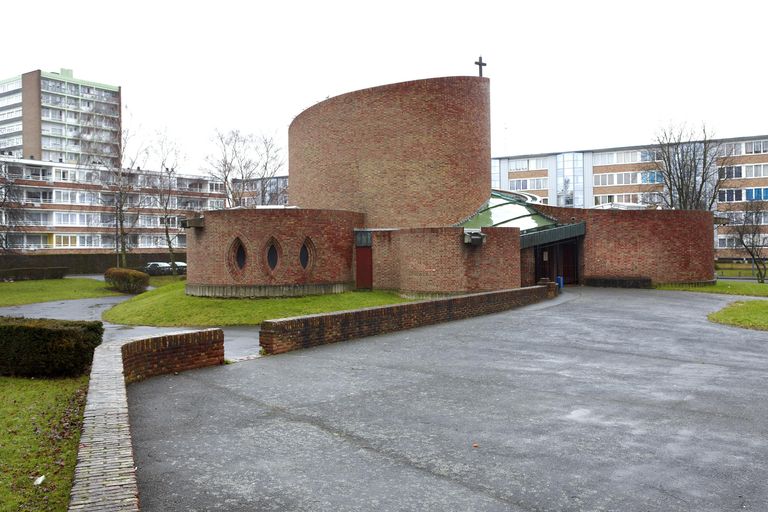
(610, 400)
(239, 342)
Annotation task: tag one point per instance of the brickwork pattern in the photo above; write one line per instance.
(284, 335)
(385, 150)
(667, 246)
(172, 353)
(105, 478)
(330, 233)
(527, 267)
(436, 260)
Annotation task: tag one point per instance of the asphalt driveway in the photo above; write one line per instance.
(605, 400)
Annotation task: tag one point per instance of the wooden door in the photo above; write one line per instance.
(364, 270)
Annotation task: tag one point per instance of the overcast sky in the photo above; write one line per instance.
(564, 75)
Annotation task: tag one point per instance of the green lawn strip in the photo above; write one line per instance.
(750, 288)
(751, 314)
(736, 273)
(44, 290)
(40, 421)
(158, 281)
(169, 306)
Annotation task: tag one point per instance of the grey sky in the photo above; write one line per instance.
(564, 75)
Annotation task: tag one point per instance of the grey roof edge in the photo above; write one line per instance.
(551, 235)
(622, 148)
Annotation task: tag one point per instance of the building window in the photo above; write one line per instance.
(730, 172)
(570, 179)
(651, 177)
(272, 257)
(757, 194)
(729, 195)
(238, 258)
(306, 254)
(756, 171)
(65, 241)
(730, 149)
(756, 147)
(528, 184)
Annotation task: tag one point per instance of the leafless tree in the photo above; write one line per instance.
(245, 163)
(167, 155)
(750, 234)
(120, 181)
(688, 161)
(233, 162)
(271, 162)
(10, 214)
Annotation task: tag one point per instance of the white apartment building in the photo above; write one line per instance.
(626, 177)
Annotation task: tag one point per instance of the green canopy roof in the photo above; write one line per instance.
(507, 210)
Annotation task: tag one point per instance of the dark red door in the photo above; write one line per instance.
(364, 273)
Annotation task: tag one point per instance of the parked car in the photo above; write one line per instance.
(181, 268)
(157, 268)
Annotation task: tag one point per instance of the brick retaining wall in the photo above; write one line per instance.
(105, 476)
(172, 353)
(284, 335)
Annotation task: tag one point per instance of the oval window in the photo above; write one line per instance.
(304, 256)
(238, 254)
(272, 256)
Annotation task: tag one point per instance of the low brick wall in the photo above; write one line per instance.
(284, 335)
(105, 477)
(171, 353)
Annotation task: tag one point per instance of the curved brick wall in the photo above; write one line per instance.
(669, 246)
(411, 154)
(212, 255)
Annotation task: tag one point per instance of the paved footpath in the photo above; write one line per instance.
(608, 400)
(240, 343)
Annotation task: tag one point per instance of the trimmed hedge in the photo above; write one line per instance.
(40, 347)
(126, 280)
(23, 274)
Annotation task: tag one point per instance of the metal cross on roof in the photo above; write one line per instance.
(480, 65)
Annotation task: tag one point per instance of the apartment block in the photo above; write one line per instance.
(59, 208)
(55, 117)
(626, 178)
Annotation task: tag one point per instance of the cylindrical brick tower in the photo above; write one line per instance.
(412, 154)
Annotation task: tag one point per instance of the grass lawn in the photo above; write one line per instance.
(44, 290)
(40, 421)
(158, 281)
(726, 287)
(169, 306)
(751, 314)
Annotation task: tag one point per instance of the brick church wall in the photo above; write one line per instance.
(436, 260)
(412, 154)
(329, 235)
(667, 246)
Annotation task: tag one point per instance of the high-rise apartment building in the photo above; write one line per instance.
(627, 177)
(55, 117)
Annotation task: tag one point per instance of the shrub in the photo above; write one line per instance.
(126, 280)
(22, 274)
(47, 348)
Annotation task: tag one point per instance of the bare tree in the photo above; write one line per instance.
(120, 182)
(10, 215)
(270, 163)
(234, 163)
(688, 162)
(750, 234)
(167, 156)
